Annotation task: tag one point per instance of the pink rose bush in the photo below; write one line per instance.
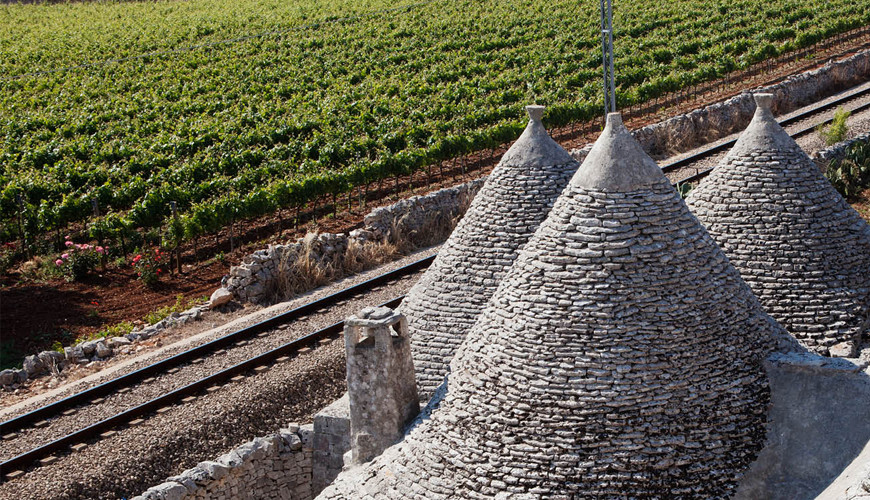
(79, 259)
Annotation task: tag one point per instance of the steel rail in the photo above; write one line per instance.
(136, 377)
(669, 167)
(25, 459)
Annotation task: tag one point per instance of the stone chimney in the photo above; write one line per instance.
(380, 381)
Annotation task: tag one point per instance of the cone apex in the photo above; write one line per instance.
(763, 100)
(536, 112)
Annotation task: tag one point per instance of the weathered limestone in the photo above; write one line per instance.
(275, 466)
(818, 427)
(515, 199)
(826, 156)
(380, 381)
(406, 222)
(798, 244)
(621, 357)
(720, 119)
(219, 297)
(331, 438)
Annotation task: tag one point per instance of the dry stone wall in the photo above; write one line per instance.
(255, 279)
(800, 246)
(331, 441)
(276, 466)
(621, 356)
(824, 157)
(718, 120)
(411, 217)
(93, 351)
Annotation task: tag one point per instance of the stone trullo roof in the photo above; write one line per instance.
(620, 358)
(797, 243)
(515, 199)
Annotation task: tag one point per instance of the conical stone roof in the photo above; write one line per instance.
(620, 358)
(797, 243)
(513, 201)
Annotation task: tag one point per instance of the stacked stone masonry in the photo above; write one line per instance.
(382, 389)
(276, 466)
(515, 199)
(255, 279)
(621, 357)
(331, 441)
(97, 350)
(797, 243)
(718, 120)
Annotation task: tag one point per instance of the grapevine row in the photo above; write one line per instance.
(241, 130)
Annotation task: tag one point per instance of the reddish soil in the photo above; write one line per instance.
(862, 204)
(34, 315)
(37, 314)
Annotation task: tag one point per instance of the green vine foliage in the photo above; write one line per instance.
(237, 109)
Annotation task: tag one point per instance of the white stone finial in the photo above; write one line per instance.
(763, 101)
(535, 146)
(764, 133)
(616, 161)
(536, 112)
(614, 120)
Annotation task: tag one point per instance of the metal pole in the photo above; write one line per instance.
(610, 53)
(607, 55)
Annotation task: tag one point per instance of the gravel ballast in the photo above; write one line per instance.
(168, 443)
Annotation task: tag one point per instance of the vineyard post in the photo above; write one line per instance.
(174, 207)
(23, 243)
(95, 204)
(123, 241)
(298, 208)
(232, 232)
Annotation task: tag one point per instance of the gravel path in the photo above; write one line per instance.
(158, 455)
(165, 444)
(858, 124)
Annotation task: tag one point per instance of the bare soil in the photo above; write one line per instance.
(34, 315)
(862, 204)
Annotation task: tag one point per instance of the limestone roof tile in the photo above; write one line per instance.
(513, 201)
(797, 243)
(620, 357)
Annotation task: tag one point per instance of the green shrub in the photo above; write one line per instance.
(149, 265)
(851, 175)
(78, 260)
(179, 306)
(684, 189)
(837, 130)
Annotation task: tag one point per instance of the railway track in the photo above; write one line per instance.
(41, 417)
(42, 455)
(805, 122)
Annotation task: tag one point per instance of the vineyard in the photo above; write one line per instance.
(233, 110)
